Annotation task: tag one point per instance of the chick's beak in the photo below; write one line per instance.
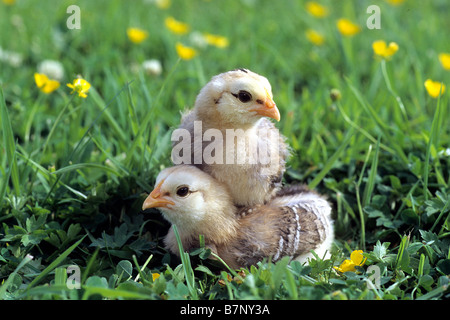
(267, 108)
(156, 200)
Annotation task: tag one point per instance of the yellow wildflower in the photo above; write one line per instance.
(81, 86)
(395, 2)
(347, 28)
(155, 276)
(137, 35)
(356, 259)
(444, 58)
(45, 84)
(434, 88)
(381, 49)
(176, 26)
(9, 2)
(185, 53)
(315, 37)
(215, 40)
(316, 9)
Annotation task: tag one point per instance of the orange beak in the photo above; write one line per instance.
(155, 199)
(268, 108)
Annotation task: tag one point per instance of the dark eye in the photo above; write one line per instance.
(244, 96)
(182, 191)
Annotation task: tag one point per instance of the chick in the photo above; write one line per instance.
(294, 222)
(250, 155)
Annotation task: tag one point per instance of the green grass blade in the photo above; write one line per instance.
(372, 175)
(433, 293)
(140, 270)
(3, 185)
(62, 113)
(47, 174)
(366, 194)
(378, 121)
(7, 283)
(119, 132)
(9, 144)
(79, 166)
(432, 143)
(132, 112)
(361, 130)
(363, 169)
(224, 263)
(89, 265)
(60, 276)
(186, 262)
(402, 259)
(362, 218)
(114, 124)
(111, 158)
(329, 164)
(441, 214)
(373, 114)
(115, 293)
(391, 90)
(291, 285)
(55, 263)
(61, 291)
(145, 123)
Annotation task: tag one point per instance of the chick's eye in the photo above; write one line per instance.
(244, 96)
(182, 191)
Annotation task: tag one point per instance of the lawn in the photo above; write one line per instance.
(77, 162)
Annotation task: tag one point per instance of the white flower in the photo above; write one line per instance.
(52, 69)
(152, 67)
(445, 152)
(198, 39)
(12, 58)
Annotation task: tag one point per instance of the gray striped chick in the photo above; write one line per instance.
(294, 222)
(251, 155)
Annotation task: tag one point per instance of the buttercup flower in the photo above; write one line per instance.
(315, 37)
(155, 276)
(381, 49)
(45, 84)
(434, 88)
(137, 35)
(347, 28)
(81, 86)
(185, 53)
(176, 26)
(317, 10)
(395, 2)
(356, 259)
(444, 58)
(215, 40)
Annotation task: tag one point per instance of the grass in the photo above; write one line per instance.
(74, 171)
